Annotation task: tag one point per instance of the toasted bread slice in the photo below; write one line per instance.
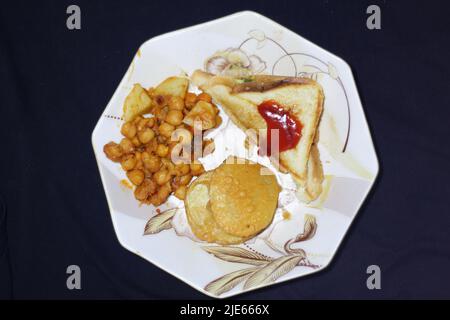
(313, 186)
(301, 96)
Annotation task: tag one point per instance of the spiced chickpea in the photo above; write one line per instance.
(218, 121)
(174, 117)
(155, 200)
(113, 151)
(190, 100)
(162, 176)
(138, 155)
(197, 168)
(161, 139)
(139, 164)
(151, 162)
(143, 191)
(184, 180)
(159, 197)
(145, 155)
(136, 142)
(166, 129)
(128, 130)
(181, 181)
(182, 169)
(136, 176)
(126, 145)
(215, 108)
(151, 122)
(162, 150)
(161, 113)
(169, 165)
(148, 144)
(137, 119)
(128, 162)
(147, 174)
(151, 146)
(180, 192)
(176, 103)
(164, 192)
(140, 193)
(142, 123)
(146, 135)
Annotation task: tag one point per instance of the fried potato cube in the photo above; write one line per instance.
(136, 103)
(172, 86)
(203, 112)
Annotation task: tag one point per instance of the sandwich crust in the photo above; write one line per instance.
(266, 83)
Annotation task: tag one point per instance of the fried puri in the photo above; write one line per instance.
(243, 198)
(200, 217)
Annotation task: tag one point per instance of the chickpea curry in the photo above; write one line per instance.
(157, 122)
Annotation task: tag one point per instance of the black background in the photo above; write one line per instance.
(55, 83)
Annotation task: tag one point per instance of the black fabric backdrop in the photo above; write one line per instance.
(55, 84)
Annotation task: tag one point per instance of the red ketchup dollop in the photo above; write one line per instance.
(289, 127)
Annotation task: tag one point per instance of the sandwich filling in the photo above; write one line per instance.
(281, 123)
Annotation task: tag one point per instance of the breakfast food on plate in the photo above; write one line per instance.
(232, 203)
(237, 200)
(158, 123)
(292, 105)
(199, 215)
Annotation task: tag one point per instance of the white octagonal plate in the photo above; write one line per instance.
(259, 45)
